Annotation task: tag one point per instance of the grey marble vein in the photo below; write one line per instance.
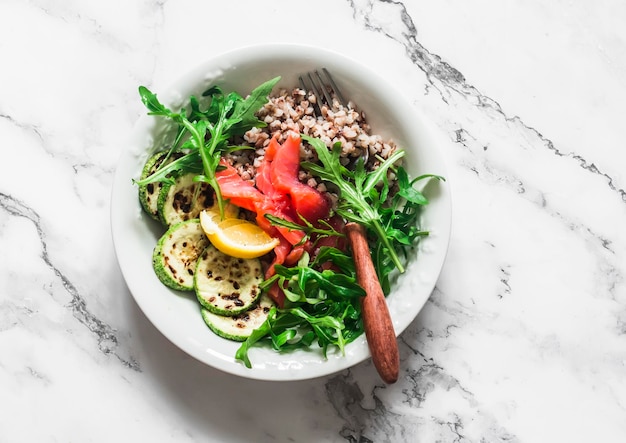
(374, 14)
(360, 424)
(105, 334)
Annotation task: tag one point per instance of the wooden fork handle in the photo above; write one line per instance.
(381, 337)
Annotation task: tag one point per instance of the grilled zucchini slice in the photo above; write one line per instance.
(226, 285)
(183, 200)
(176, 254)
(149, 194)
(239, 327)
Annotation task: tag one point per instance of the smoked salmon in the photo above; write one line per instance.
(307, 202)
(278, 192)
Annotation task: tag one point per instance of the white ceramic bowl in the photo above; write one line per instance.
(177, 316)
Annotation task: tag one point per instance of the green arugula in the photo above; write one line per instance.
(359, 199)
(321, 306)
(204, 134)
(364, 198)
(323, 230)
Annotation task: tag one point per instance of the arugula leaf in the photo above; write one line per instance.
(256, 335)
(306, 227)
(322, 307)
(343, 261)
(364, 197)
(206, 132)
(358, 199)
(153, 104)
(245, 110)
(187, 163)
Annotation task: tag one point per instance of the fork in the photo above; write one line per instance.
(379, 331)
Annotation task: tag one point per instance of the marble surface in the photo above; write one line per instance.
(524, 337)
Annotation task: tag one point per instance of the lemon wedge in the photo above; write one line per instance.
(236, 237)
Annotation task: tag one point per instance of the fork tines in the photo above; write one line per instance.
(322, 88)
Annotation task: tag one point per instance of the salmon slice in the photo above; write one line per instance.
(244, 194)
(307, 202)
(276, 203)
(240, 192)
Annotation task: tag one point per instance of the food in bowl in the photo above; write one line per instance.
(268, 174)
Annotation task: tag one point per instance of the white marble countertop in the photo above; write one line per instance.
(524, 337)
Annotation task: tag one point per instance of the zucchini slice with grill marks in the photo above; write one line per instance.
(226, 285)
(149, 194)
(176, 254)
(183, 200)
(239, 327)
